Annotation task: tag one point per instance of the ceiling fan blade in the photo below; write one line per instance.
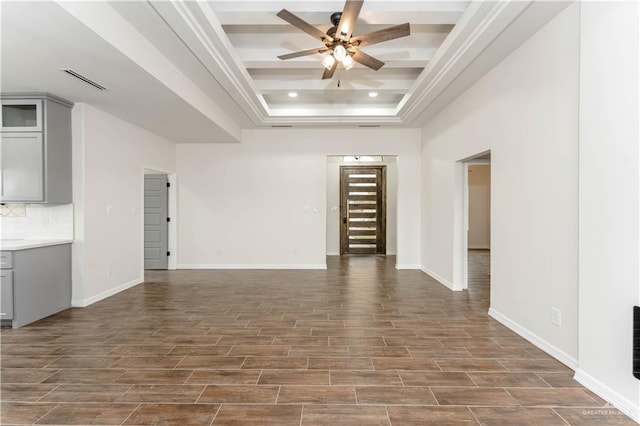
(349, 18)
(329, 73)
(384, 34)
(303, 53)
(366, 60)
(303, 25)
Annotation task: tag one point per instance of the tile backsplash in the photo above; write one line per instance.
(36, 221)
(13, 210)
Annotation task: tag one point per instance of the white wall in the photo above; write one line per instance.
(526, 112)
(333, 203)
(609, 197)
(479, 207)
(109, 160)
(263, 202)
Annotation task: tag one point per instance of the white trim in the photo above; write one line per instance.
(107, 293)
(612, 397)
(479, 26)
(333, 253)
(252, 266)
(440, 279)
(552, 350)
(407, 266)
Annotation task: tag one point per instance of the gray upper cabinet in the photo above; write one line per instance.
(35, 149)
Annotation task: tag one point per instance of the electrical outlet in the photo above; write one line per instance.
(556, 317)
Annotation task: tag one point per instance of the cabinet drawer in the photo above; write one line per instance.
(6, 295)
(6, 260)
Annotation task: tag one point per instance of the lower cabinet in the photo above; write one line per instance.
(6, 294)
(35, 283)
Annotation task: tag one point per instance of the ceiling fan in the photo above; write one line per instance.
(338, 40)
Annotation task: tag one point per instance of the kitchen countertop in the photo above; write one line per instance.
(11, 245)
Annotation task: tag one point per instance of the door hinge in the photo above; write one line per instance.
(168, 253)
(168, 219)
(168, 185)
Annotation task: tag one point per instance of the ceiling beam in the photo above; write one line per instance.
(322, 18)
(371, 84)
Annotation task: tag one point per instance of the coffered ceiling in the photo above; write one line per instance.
(213, 65)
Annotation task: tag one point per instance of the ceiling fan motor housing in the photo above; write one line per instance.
(335, 18)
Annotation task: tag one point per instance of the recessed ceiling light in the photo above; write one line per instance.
(373, 94)
(293, 95)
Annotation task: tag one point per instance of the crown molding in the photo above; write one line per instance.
(479, 26)
(201, 32)
(196, 24)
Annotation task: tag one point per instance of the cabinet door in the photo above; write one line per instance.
(21, 167)
(6, 294)
(21, 115)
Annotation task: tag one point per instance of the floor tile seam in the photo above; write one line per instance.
(474, 415)
(131, 413)
(123, 393)
(556, 406)
(45, 414)
(537, 374)
(403, 404)
(560, 415)
(50, 390)
(386, 411)
(511, 396)
(213, 419)
(301, 413)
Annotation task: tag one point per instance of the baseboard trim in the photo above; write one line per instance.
(440, 279)
(82, 303)
(253, 266)
(407, 266)
(542, 344)
(612, 397)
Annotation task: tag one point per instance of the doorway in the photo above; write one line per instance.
(479, 230)
(475, 241)
(363, 210)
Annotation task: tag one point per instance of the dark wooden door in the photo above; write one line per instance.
(363, 228)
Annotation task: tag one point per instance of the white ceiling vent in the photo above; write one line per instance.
(83, 78)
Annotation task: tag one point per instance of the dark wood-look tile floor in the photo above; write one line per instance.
(359, 344)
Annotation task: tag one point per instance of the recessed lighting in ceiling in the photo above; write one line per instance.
(373, 94)
(293, 94)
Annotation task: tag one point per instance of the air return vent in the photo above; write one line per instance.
(83, 78)
(369, 125)
(281, 126)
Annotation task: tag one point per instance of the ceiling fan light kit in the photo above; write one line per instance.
(328, 61)
(338, 41)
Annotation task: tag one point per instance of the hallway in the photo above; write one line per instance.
(360, 343)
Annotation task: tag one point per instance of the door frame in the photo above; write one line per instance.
(172, 231)
(381, 224)
(461, 219)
